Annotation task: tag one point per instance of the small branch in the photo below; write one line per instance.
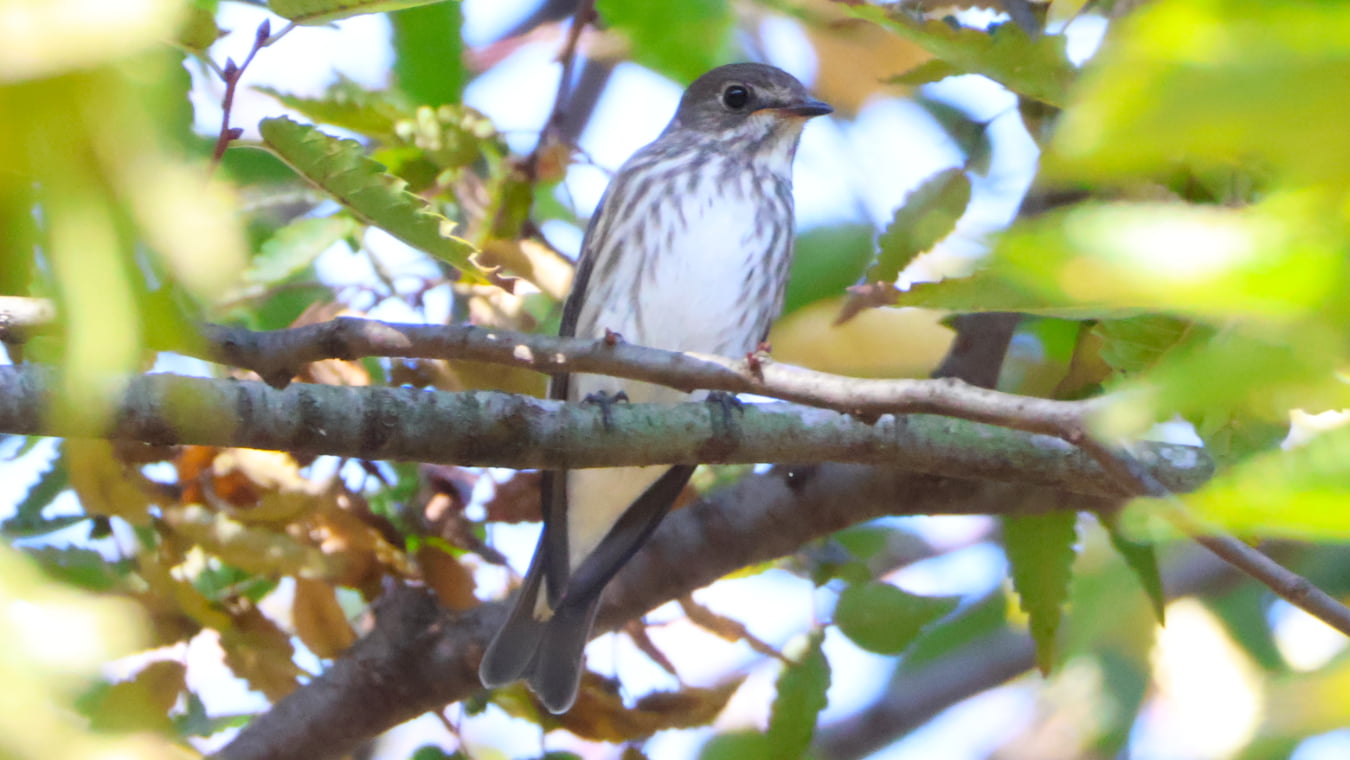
(1132, 474)
(584, 15)
(231, 74)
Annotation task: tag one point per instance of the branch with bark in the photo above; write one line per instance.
(503, 430)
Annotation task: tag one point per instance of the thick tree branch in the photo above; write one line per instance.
(503, 430)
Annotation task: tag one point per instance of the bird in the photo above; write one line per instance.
(689, 250)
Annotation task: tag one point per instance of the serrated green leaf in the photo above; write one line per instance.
(801, 696)
(927, 215)
(1041, 551)
(319, 12)
(931, 70)
(348, 105)
(429, 53)
(679, 38)
(1143, 560)
(1037, 68)
(881, 618)
(340, 168)
(27, 519)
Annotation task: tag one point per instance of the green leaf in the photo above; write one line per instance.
(741, 745)
(429, 53)
(1143, 560)
(1036, 68)
(340, 168)
(1267, 84)
(294, 247)
(84, 568)
(27, 519)
(965, 628)
(1244, 611)
(348, 105)
(927, 216)
(1301, 492)
(1134, 344)
(801, 696)
(881, 618)
(319, 12)
(679, 38)
(825, 262)
(1040, 551)
(931, 70)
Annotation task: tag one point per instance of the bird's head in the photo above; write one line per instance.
(750, 102)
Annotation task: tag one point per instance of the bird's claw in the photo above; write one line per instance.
(725, 403)
(606, 402)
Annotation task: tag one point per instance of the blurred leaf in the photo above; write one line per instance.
(801, 696)
(876, 343)
(348, 105)
(967, 627)
(600, 714)
(294, 247)
(429, 53)
(1037, 68)
(254, 549)
(825, 262)
(883, 619)
(1040, 551)
(1143, 560)
(1134, 344)
(320, 622)
(141, 703)
(259, 652)
(1300, 493)
(60, 36)
(931, 70)
(444, 574)
(928, 215)
(319, 12)
(196, 722)
(104, 484)
(741, 745)
(679, 38)
(340, 168)
(27, 519)
(83, 568)
(1266, 84)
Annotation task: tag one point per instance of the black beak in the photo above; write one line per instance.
(805, 108)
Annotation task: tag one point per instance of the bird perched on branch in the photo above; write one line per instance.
(689, 251)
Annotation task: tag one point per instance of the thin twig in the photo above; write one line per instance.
(1290, 586)
(231, 74)
(584, 15)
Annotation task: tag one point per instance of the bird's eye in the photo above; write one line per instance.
(735, 97)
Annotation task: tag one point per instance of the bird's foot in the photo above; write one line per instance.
(606, 402)
(755, 360)
(725, 403)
